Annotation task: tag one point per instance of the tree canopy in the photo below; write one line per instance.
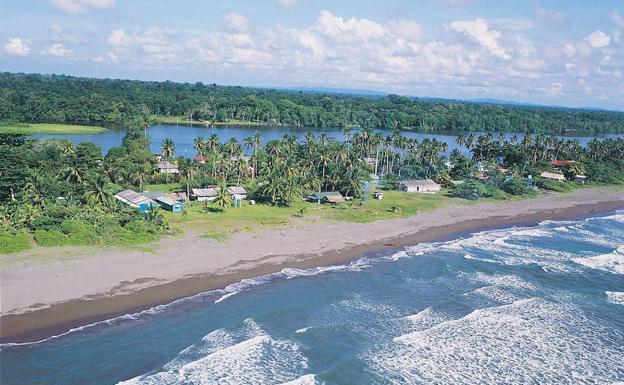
(66, 99)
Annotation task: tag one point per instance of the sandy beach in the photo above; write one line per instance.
(40, 300)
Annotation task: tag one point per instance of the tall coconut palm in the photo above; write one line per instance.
(167, 149)
(98, 194)
(223, 199)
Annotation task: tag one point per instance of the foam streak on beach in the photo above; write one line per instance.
(523, 304)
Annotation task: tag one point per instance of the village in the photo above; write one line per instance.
(176, 201)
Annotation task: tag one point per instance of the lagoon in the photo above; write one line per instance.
(183, 136)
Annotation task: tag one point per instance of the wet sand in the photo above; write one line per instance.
(41, 301)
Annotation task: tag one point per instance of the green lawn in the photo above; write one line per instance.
(219, 225)
(51, 128)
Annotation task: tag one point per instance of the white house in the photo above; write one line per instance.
(204, 194)
(420, 186)
(237, 192)
(165, 167)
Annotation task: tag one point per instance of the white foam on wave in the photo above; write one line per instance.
(616, 297)
(247, 356)
(307, 379)
(527, 341)
(612, 262)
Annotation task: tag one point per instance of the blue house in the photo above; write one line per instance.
(136, 200)
(169, 204)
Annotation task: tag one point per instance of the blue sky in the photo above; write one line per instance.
(561, 52)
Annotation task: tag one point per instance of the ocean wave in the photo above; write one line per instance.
(612, 262)
(246, 356)
(528, 341)
(616, 297)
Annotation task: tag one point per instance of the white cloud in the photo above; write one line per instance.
(406, 29)
(480, 31)
(118, 38)
(598, 39)
(82, 6)
(17, 46)
(287, 3)
(57, 49)
(494, 57)
(235, 22)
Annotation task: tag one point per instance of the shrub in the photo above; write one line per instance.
(474, 190)
(516, 187)
(14, 242)
(50, 238)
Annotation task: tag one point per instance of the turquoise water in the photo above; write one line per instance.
(523, 305)
(183, 136)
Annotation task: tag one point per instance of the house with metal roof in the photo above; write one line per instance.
(165, 167)
(136, 200)
(553, 176)
(326, 196)
(419, 186)
(204, 194)
(170, 204)
(237, 192)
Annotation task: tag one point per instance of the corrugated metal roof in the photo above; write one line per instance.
(419, 182)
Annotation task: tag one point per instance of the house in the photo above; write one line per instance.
(237, 192)
(560, 163)
(170, 204)
(177, 196)
(580, 178)
(165, 167)
(201, 159)
(419, 185)
(322, 197)
(334, 199)
(136, 200)
(552, 176)
(204, 194)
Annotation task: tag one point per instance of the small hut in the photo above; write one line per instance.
(332, 197)
(553, 176)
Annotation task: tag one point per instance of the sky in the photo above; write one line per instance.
(555, 52)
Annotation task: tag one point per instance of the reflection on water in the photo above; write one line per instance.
(183, 136)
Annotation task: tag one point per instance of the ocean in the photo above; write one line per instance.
(523, 305)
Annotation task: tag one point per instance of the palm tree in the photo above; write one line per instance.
(73, 172)
(167, 150)
(223, 199)
(200, 145)
(98, 194)
(187, 168)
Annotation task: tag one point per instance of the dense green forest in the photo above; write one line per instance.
(65, 99)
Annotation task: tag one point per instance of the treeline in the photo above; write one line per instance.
(67, 99)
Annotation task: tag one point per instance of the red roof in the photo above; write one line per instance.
(559, 163)
(201, 158)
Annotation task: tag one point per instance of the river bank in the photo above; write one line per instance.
(40, 301)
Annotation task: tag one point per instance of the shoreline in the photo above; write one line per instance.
(57, 318)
